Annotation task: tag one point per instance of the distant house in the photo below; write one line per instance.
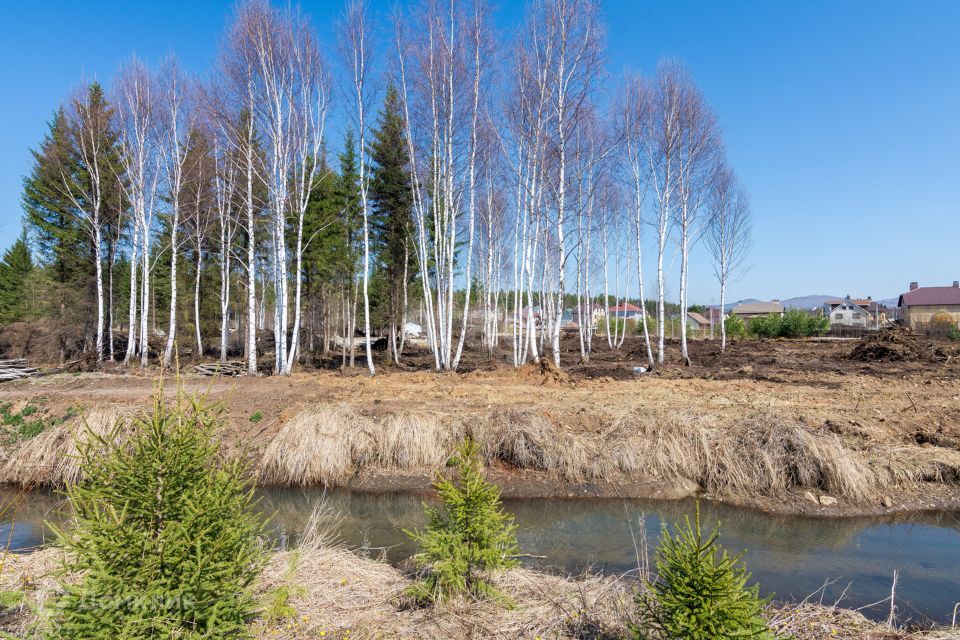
(593, 313)
(748, 310)
(696, 321)
(931, 308)
(849, 312)
(530, 313)
(627, 311)
(714, 315)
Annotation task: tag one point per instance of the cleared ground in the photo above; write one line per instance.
(772, 424)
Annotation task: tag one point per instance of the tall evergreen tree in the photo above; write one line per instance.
(326, 264)
(15, 269)
(348, 195)
(52, 220)
(392, 197)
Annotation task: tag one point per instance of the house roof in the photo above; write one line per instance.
(626, 307)
(589, 307)
(696, 316)
(860, 302)
(758, 307)
(930, 296)
(715, 312)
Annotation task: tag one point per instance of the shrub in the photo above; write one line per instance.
(467, 537)
(701, 592)
(735, 327)
(256, 417)
(794, 324)
(163, 539)
(764, 326)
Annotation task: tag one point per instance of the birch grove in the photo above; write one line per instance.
(531, 201)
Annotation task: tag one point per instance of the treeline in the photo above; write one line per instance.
(479, 195)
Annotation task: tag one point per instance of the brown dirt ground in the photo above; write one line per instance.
(815, 382)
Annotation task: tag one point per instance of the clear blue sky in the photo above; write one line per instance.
(842, 118)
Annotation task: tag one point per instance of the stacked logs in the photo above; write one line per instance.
(16, 369)
(233, 368)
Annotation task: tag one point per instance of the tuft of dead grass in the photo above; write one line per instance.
(320, 445)
(52, 458)
(411, 441)
(328, 444)
(528, 440)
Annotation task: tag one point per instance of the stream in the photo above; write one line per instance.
(791, 557)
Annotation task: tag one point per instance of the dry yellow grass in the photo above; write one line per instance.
(52, 457)
(338, 592)
(320, 445)
(756, 454)
(338, 595)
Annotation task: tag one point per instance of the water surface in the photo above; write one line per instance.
(790, 556)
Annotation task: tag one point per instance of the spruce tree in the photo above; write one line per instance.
(15, 270)
(392, 197)
(468, 536)
(163, 539)
(700, 592)
(51, 218)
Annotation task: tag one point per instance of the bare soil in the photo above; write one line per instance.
(821, 384)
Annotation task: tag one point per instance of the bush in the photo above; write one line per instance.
(700, 593)
(467, 537)
(163, 539)
(793, 324)
(735, 327)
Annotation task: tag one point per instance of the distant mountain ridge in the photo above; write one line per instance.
(805, 302)
(808, 302)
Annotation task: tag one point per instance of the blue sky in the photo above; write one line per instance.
(842, 118)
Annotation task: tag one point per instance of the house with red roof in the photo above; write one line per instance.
(626, 311)
(931, 308)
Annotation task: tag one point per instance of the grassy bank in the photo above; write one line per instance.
(332, 593)
(757, 458)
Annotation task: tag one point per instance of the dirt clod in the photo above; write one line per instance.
(898, 344)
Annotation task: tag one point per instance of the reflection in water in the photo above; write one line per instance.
(789, 556)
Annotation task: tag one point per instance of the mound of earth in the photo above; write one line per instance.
(544, 373)
(897, 344)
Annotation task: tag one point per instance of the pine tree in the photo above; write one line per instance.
(392, 197)
(15, 270)
(468, 536)
(700, 592)
(163, 538)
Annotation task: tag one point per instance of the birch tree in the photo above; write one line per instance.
(93, 137)
(728, 233)
(226, 175)
(696, 162)
(135, 108)
(662, 141)
(573, 36)
(275, 55)
(441, 70)
(355, 46)
(636, 112)
(175, 120)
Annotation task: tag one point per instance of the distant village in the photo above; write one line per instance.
(932, 310)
